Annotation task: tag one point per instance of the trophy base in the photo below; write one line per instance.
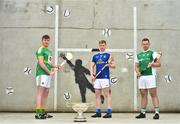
(80, 120)
(80, 117)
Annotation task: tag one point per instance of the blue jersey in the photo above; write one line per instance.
(101, 59)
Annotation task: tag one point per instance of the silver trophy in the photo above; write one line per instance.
(80, 108)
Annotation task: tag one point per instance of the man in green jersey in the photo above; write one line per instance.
(44, 71)
(145, 67)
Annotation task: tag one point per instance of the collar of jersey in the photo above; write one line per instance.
(146, 51)
(44, 47)
(102, 52)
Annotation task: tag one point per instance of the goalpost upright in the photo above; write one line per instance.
(135, 53)
(56, 54)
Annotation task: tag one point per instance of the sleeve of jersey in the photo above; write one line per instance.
(155, 54)
(136, 60)
(40, 52)
(110, 58)
(93, 59)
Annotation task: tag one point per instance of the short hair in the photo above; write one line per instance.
(102, 42)
(45, 37)
(145, 39)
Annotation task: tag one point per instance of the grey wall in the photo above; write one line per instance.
(23, 22)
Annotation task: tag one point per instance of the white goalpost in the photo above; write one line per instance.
(89, 50)
(56, 54)
(135, 53)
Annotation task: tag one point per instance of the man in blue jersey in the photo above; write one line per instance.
(102, 82)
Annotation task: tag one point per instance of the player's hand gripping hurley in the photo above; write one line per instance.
(67, 56)
(108, 62)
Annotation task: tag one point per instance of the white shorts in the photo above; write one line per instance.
(43, 81)
(101, 83)
(147, 82)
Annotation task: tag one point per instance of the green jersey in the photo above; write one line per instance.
(144, 58)
(47, 58)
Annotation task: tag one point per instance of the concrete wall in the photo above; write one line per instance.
(23, 22)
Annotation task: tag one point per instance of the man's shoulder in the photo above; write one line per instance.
(106, 53)
(40, 49)
(141, 52)
(151, 51)
(96, 54)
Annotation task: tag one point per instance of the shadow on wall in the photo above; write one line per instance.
(80, 73)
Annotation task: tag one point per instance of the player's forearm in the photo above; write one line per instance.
(43, 66)
(137, 69)
(156, 64)
(91, 70)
